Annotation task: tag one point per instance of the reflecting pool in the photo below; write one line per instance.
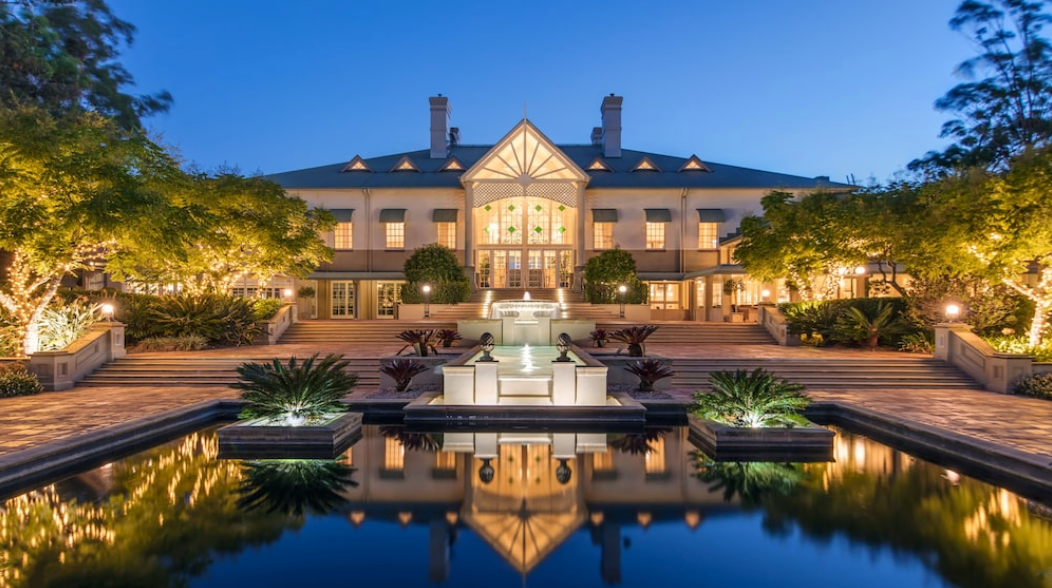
(402, 508)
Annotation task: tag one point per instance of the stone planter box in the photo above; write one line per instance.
(726, 443)
(265, 439)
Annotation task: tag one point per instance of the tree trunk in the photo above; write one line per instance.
(1037, 326)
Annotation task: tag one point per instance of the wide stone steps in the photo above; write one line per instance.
(702, 333)
(382, 332)
(831, 373)
(159, 371)
(495, 294)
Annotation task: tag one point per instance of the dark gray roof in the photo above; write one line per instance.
(621, 176)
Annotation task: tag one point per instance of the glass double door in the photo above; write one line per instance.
(524, 268)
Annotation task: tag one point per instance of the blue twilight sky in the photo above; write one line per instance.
(808, 87)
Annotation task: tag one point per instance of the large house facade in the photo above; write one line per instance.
(526, 214)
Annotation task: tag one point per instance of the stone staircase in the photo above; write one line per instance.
(702, 333)
(338, 331)
(192, 371)
(832, 374)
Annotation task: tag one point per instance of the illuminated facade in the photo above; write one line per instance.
(525, 213)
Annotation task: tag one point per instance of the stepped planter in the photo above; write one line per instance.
(797, 444)
(269, 438)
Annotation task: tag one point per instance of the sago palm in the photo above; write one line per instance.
(751, 399)
(297, 391)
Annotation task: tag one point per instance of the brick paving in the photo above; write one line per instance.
(1021, 423)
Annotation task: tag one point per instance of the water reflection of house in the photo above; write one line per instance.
(529, 505)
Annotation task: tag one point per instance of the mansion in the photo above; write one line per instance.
(526, 214)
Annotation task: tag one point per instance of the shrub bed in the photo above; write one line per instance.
(1039, 386)
(184, 343)
(849, 321)
(15, 380)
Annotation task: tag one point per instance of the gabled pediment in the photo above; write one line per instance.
(525, 155)
(405, 165)
(646, 164)
(694, 164)
(357, 165)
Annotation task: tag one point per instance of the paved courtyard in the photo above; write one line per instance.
(1021, 423)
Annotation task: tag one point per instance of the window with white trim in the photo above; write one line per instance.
(655, 235)
(708, 235)
(343, 236)
(447, 234)
(603, 235)
(395, 234)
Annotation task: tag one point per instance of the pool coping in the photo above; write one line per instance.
(996, 463)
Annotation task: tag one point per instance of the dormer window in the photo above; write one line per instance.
(405, 165)
(452, 164)
(694, 164)
(646, 164)
(357, 165)
(598, 165)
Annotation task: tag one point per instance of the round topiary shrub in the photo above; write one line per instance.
(1038, 386)
(440, 268)
(15, 380)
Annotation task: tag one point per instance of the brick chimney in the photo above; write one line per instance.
(597, 136)
(439, 126)
(611, 113)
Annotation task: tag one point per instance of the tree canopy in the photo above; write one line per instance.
(1004, 107)
(438, 267)
(62, 56)
(606, 272)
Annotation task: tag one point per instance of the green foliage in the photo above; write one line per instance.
(9, 335)
(829, 322)
(65, 324)
(882, 322)
(639, 443)
(223, 320)
(306, 292)
(438, 267)
(294, 486)
(181, 343)
(987, 307)
(599, 337)
(1038, 386)
(633, 339)
(608, 271)
(751, 482)
(649, 371)
(918, 342)
(1019, 344)
(402, 371)
(264, 309)
(63, 56)
(756, 399)
(15, 380)
(1003, 109)
(299, 390)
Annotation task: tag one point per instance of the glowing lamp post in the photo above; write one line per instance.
(288, 293)
(427, 300)
(952, 312)
(765, 296)
(622, 289)
(107, 312)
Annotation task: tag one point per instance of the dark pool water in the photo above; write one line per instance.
(546, 510)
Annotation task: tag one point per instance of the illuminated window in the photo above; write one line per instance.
(708, 235)
(394, 454)
(664, 296)
(717, 294)
(655, 235)
(655, 457)
(395, 233)
(604, 235)
(544, 221)
(603, 462)
(344, 236)
(445, 460)
(357, 165)
(646, 164)
(447, 234)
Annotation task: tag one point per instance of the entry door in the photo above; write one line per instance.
(485, 269)
(551, 269)
(388, 294)
(343, 300)
(500, 269)
(514, 269)
(536, 269)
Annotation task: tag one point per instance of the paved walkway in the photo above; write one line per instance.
(1022, 423)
